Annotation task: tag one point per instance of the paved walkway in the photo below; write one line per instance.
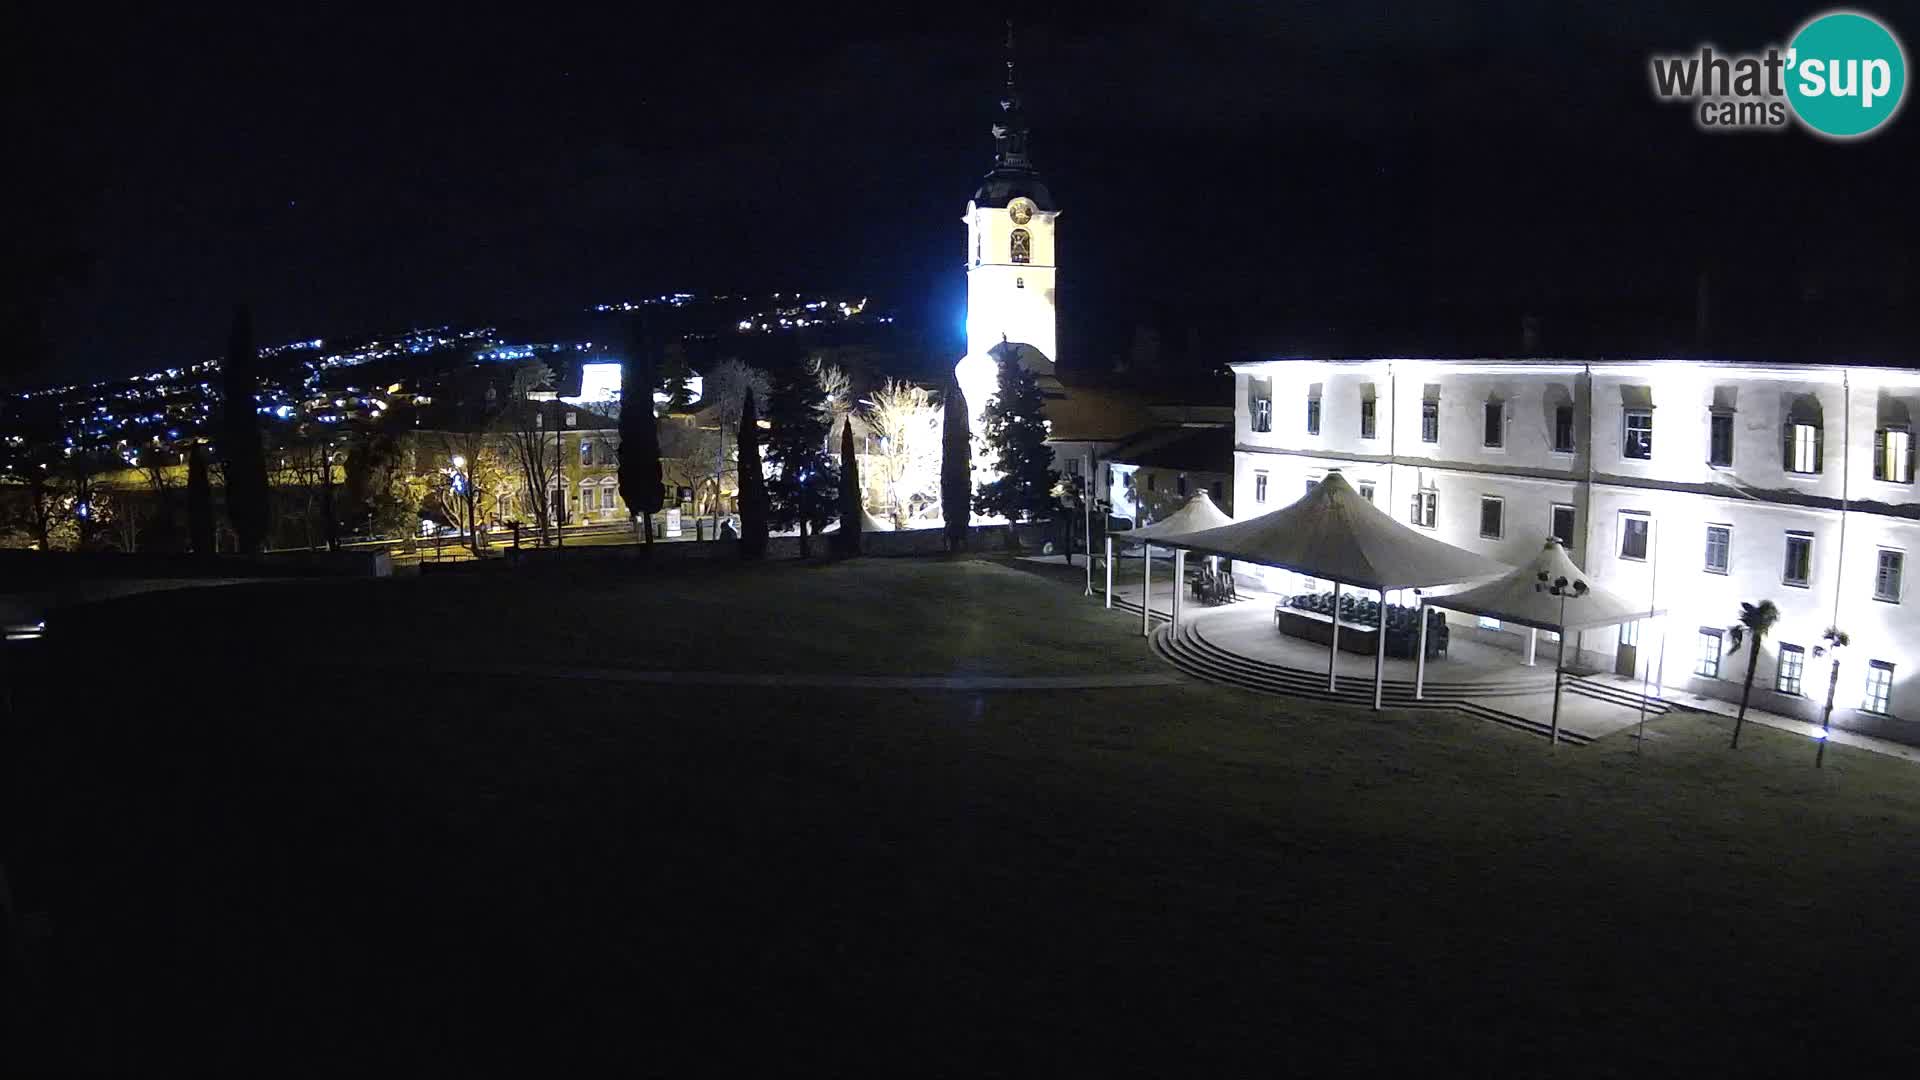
(964, 683)
(1680, 698)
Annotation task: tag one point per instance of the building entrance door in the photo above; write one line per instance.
(1626, 658)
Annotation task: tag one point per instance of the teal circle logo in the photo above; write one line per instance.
(1846, 74)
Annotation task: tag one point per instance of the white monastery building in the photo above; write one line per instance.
(1696, 486)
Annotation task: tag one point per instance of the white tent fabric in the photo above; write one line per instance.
(1520, 597)
(1331, 532)
(1198, 513)
(868, 523)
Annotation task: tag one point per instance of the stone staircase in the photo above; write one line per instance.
(1190, 651)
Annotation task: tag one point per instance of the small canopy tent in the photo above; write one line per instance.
(1548, 593)
(868, 523)
(1196, 514)
(1332, 532)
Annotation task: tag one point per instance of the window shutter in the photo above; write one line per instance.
(1819, 447)
(1786, 454)
(1880, 454)
(1908, 478)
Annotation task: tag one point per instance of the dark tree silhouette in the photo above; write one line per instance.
(1016, 432)
(1755, 621)
(199, 502)
(956, 466)
(753, 483)
(802, 489)
(640, 482)
(849, 537)
(246, 464)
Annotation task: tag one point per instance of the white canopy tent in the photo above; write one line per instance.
(1548, 593)
(1332, 532)
(1196, 514)
(868, 523)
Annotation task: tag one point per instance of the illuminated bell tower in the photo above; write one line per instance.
(1010, 258)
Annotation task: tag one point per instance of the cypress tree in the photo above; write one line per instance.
(850, 522)
(1016, 432)
(802, 490)
(640, 482)
(199, 502)
(956, 467)
(753, 483)
(246, 464)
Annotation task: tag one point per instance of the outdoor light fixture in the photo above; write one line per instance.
(1561, 588)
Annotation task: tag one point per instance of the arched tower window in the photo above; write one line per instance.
(1022, 246)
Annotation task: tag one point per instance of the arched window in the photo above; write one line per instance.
(1803, 436)
(1022, 246)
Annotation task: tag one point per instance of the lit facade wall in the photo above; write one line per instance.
(1587, 449)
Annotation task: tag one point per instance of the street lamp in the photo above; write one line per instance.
(1561, 588)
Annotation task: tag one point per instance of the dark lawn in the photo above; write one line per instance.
(371, 863)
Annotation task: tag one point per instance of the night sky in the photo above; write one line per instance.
(1258, 179)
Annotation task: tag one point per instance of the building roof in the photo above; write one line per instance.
(1184, 449)
(1197, 514)
(1095, 414)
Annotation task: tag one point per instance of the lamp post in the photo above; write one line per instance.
(463, 481)
(1561, 588)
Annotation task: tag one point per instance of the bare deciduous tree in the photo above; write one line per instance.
(905, 466)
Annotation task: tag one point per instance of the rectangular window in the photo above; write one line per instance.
(1630, 633)
(1153, 481)
(1487, 623)
(1886, 576)
(1719, 543)
(1638, 443)
(1893, 455)
(1313, 416)
(1217, 489)
(587, 498)
(1799, 566)
(1561, 528)
(1634, 532)
(1259, 487)
(1492, 517)
(1706, 653)
(1803, 448)
(1786, 675)
(1563, 429)
(586, 451)
(1429, 421)
(1366, 418)
(1879, 695)
(1263, 414)
(1495, 434)
(1720, 439)
(1426, 508)
(1366, 490)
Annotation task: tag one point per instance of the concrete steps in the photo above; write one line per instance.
(1190, 652)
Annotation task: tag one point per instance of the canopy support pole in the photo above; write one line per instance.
(1146, 590)
(1640, 737)
(1559, 673)
(1109, 573)
(1179, 579)
(1420, 654)
(1533, 644)
(1380, 653)
(1333, 650)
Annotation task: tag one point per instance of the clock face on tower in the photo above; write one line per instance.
(1022, 211)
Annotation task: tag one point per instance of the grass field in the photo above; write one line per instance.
(388, 857)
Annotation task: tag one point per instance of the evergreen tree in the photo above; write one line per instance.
(801, 491)
(850, 521)
(753, 483)
(246, 463)
(640, 482)
(1016, 433)
(956, 467)
(199, 501)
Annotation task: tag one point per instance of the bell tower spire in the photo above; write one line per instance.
(1010, 126)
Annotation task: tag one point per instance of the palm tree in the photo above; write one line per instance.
(1836, 639)
(1755, 621)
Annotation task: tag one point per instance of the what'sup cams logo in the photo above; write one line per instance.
(1843, 76)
